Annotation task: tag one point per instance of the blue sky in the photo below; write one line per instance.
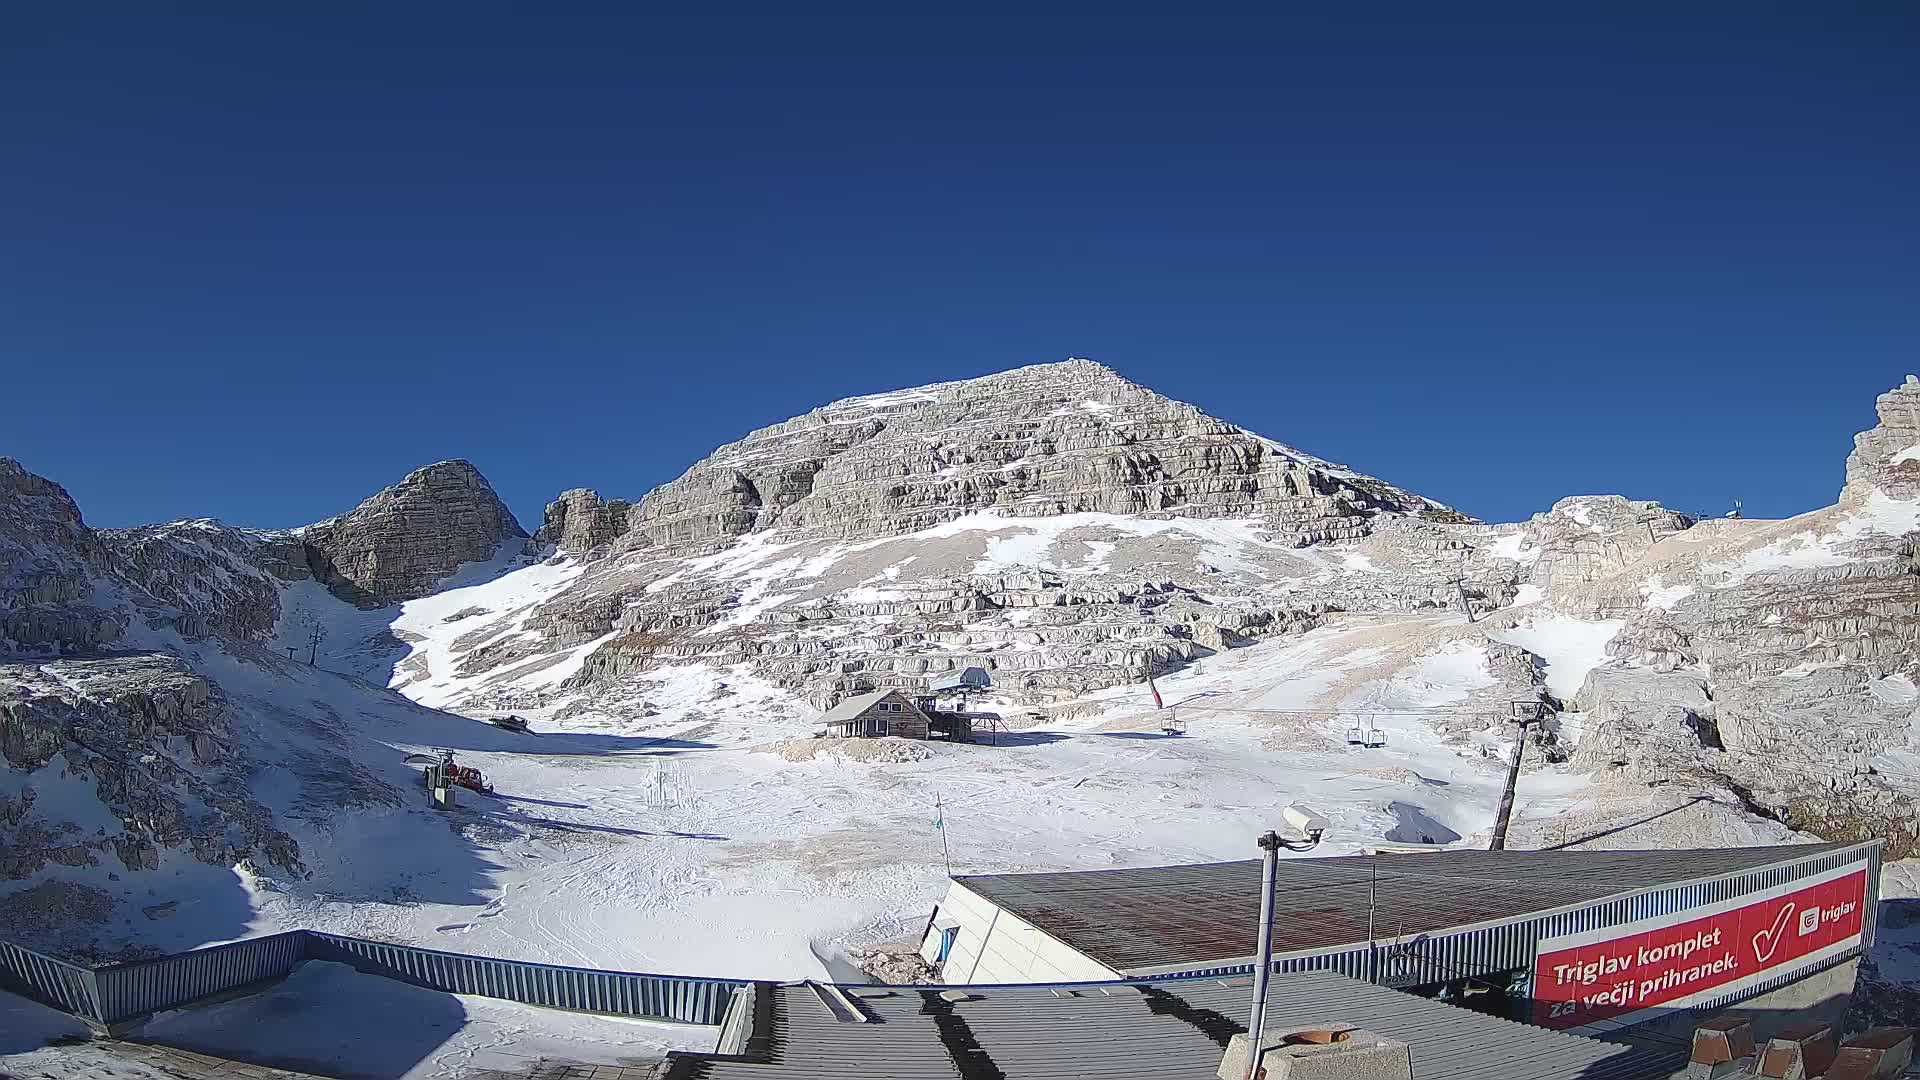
(257, 261)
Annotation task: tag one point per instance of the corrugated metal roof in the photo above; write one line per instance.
(1168, 915)
(1170, 1030)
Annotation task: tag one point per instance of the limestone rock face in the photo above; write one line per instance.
(151, 739)
(579, 523)
(49, 560)
(222, 580)
(401, 543)
(1797, 642)
(1632, 713)
(1586, 538)
(117, 751)
(1033, 442)
(1887, 456)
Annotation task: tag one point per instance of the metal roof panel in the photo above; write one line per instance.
(1206, 913)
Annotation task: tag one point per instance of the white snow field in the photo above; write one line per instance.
(678, 838)
(678, 843)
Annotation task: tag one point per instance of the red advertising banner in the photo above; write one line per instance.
(1582, 979)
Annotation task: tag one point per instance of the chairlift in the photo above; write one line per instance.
(1370, 737)
(1172, 724)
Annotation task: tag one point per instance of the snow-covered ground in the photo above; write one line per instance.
(1571, 647)
(671, 844)
(674, 838)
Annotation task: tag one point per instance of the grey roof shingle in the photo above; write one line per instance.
(852, 707)
(1158, 917)
(1167, 1030)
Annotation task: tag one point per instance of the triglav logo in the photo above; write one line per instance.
(1809, 921)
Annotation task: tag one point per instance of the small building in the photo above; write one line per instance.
(969, 679)
(871, 715)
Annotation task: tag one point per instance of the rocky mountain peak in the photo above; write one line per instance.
(580, 523)
(49, 563)
(42, 534)
(400, 543)
(1036, 441)
(1887, 456)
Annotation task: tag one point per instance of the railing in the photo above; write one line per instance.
(116, 993)
(147, 986)
(689, 1000)
(68, 987)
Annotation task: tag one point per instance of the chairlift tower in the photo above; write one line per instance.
(1525, 713)
(1459, 584)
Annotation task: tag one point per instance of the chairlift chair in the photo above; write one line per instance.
(1367, 736)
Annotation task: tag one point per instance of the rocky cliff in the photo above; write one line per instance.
(400, 543)
(49, 560)
(1886, 457)
(580, 523)
(149, 743)
(1055, 524)
(114, 753)
(219, 579)
(1780, 655)
(1039, 441)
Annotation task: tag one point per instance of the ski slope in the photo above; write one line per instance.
(672, 845)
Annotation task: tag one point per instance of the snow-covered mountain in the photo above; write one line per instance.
(178, 772)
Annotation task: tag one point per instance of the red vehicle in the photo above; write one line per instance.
(459, 775)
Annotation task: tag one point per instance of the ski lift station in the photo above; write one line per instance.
(1583, 941)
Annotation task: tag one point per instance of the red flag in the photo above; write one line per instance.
(1157, 703)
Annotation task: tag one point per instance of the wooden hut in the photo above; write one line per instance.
(869, 716)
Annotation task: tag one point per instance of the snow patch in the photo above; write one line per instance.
(1882, 515)
(1511, 546)
(1664, 596)
(1571, 647)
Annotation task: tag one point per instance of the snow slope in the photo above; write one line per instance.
(670, 843)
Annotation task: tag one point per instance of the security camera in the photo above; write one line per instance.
(1305, 819)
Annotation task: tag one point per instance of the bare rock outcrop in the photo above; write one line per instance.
(49, 560)
(220, 580)
(1586, 539)
(1032, 442)
(1886, 457)
(580, 523)
(150, 740)
(1797, 642)
(401, 543)
(1632, 715)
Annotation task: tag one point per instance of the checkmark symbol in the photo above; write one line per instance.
(1766, 941)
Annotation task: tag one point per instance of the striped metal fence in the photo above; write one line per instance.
(68, 987)
(119, 992)
(686, 999)
(147, 986)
